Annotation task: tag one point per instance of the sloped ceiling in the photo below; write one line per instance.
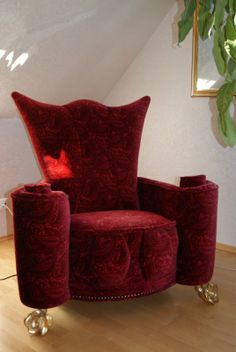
(60, 50)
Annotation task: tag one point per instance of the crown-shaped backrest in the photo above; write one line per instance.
(88, 150)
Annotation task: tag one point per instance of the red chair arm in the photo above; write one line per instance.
(158, 197)
(41, 223)
(194, 207)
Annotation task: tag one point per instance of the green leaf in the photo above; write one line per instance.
(231, 5)
(221, 34)
(225, 97)
(184, 29)
(209, 26)
(190, 6)
(219, 13)
(227, 128)
(227, 7)
(224, 2)
(232, 43)
(204, 18)
(222, 125)
(230, 48)
(219, 60)
(232, 8)
(206, 3)
(230, 29)
(186, 21)
(232, 69)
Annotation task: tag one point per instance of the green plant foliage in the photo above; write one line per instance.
(203, 19)
(230, 29)
(225, 97)
(219, 13)
(231, 74)
(206, 24)
(225, 123)
(227, 129)
(232, 6)
(218, 56)
(186, 21)
(222, 39)
(217, 18)
(206, 3)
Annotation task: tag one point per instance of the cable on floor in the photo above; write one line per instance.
(7, 277)
(10, 211)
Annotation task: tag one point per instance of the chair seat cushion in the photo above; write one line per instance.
(121, 253)
(118, 220)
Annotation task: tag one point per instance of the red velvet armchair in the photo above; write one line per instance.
(92, 230)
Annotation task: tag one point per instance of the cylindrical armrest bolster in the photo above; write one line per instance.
(192, 181)
(41, 223)
(193, 206)
(196, 224)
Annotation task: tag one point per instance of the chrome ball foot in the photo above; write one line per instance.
(38, 322)
(208, 293)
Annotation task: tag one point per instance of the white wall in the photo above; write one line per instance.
(180, 135)
(74, 56)
(18, 165)
(77, 49)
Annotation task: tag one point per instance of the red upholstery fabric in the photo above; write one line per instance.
(88, 150)
(121, 254)
(195, 211)
(191, 181)
(104, 247)
(42, 222)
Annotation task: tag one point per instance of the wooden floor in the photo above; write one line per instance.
(171, 321)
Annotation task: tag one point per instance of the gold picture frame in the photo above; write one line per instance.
(205, 78)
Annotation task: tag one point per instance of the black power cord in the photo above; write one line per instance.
(7, 277)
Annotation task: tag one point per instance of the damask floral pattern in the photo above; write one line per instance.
(88, 150)
(113, 254)
(194, 208)
(102, 233)
(42, 225)
(136, 278)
